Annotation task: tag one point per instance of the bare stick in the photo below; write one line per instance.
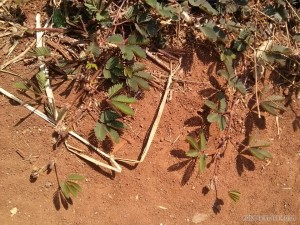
(150, 55)
(256, 88)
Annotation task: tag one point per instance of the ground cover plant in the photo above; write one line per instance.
(102, 51)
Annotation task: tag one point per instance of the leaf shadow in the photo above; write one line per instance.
(193, 121)
(243, 162)
(188, 172)
(217, 205)
(189, 163)
(296, 123)
(178, 166)
(59, 199)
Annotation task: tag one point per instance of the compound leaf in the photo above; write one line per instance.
(234, 195)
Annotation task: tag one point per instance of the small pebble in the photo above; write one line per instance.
(48, 184)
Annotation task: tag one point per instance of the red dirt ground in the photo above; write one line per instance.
(152, 192)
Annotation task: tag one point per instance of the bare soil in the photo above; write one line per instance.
(164, 189)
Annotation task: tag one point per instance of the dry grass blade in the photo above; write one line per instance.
(90, 159)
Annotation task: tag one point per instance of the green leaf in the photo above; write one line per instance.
(202, 141)
(152, 3)
(103, 16)
(222, 122)
(74, 185)
(115, 39)
(138, 39)
(114, 90)
(94, 49)
(72, 189)
(240, 86)
(202, 163)
(116, 124)
(281, 49)
(127, 52)
(113, 134)
(21, 85)
(272, 107)
(259, 143)
(138, 51)
(224, 74)
(108, 116)
(107, 74)
(211, 105)
(206, 7)
(223, 104)
(193, 143)
(166, 11)
(65, 189)
(213, 33)
(192, 153)
(213, 117)
(111, 63)
(142, 83)
(138, 67)
(41, 78)
(296, 38)
(209, 33)
(234, 195)
(144, 75)
(260, 153)
(133, 84)
(58, 18)
(131, 11)
(42, 51)
(274, 98)
(100, 131)
(195, 2)
(123, 107)
(123, 98)
(75, 177)
(128, 71)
